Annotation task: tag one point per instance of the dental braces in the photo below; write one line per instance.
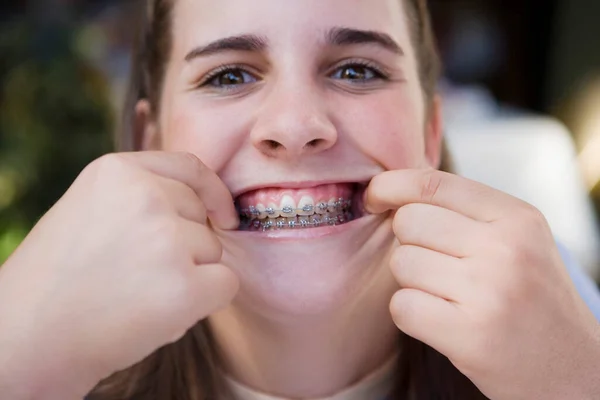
(319, 209)
(312, 221)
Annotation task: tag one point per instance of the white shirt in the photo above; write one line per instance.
(375, 386)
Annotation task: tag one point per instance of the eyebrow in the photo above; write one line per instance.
(350, 36)
(338, 36)
(253, 43)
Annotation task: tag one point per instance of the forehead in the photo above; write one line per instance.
(284, 20)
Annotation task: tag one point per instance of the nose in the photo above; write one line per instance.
(293, 123)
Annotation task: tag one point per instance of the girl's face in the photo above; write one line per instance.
(294, 104)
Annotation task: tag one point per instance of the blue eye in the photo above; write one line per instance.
(231, 77)
(357, 73)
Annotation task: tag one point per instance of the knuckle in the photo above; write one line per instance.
(124, 187)
(377, 181)
(147, 196)
(193, 161)
(531, 213)
(509, 252)
(408, 211)
(398, 223)
(402, 257)
(165, 238)
(110, 165)
(376, 187)
(532, 219)
(166, 229)
(403, 219)
(212, 250)
(397, 257)
(102, 171)
(148, 199)
(216, 250)
(403, 265)
(431, 185)
(515, 256)
(403, 309)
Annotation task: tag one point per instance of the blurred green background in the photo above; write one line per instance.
(55, 117)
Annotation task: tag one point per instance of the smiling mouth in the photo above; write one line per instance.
(274, 208)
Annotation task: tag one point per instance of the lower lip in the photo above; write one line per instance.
(309, 233)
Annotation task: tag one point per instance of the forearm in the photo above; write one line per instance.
(25, 391)
(31, 366)
(20, 383)
(30, 373)
(32, 369)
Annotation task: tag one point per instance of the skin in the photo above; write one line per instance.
(475, 272)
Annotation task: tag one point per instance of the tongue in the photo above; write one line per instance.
(274, 196)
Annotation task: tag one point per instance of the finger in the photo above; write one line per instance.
(394, 189)
(215, 286)
(438, 229)
(427, 318)
(429, 271)
(185, 201)
(188, 169)
(204, 246)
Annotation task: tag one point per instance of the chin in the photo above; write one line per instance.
(313, 272)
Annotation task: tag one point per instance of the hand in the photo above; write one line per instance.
(483, 283)
(124, 263)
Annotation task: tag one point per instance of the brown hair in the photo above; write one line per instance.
(188, 369)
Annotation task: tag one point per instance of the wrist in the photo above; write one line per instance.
(33, 364)
(16, 384)
(591, 388)
(33, 374)
(586, 386)
(36, 385)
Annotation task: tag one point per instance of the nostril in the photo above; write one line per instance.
(272, 144)
(313, 143)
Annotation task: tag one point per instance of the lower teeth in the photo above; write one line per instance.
(299, 222)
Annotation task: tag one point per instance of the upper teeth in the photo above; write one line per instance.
(288, 208)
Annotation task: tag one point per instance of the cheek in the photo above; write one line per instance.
(388, 130)
(209, 133)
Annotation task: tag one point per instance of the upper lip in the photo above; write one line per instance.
(296, 185)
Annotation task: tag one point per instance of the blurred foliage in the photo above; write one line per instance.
(55, 117)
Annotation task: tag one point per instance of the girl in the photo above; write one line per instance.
(288, 197)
